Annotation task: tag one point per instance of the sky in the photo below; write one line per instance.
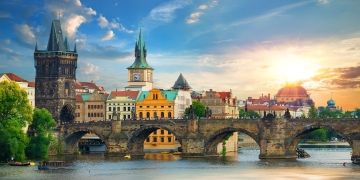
(248, 46)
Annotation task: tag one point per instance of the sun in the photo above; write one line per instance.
(293, 69)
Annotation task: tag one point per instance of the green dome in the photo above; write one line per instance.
(331, 103)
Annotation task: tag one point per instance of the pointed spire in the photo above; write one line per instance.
(75, 50)
(56, 39)
(140, 54)
(66, 44)
(181, 83)
(36, 48)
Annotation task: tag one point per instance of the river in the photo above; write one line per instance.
(324, 163)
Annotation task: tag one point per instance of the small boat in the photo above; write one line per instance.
(48, 165)
(14, 163)
(127, 156)
(176, 153)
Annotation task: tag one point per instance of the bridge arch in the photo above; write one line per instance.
(219, 135)
(137, 138)
(298, 135)
(72, 139)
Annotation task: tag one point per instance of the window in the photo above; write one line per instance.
(114, 109)
(169, 114)
(162, 115)
(169, 139)
(155, 115)
(148, 115)
(162, 131)
(140, 115)
(109, 108)
(129, 116)
(162, 106)
(147, 139)
(109, 116)
(124, 116)
(154, 139)
(162, 139)
(124, 108)
(169, 132)
(118, 108)
(155, 132)
(128, 108)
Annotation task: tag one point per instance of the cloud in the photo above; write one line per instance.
(72, 23)
(4, 14)
(72, 12)
(109, 35)
(102, 21)
(89, 71)
(194, 17)
(166, 11)
(338, 78)
(113, 25)
(25, 33)
(323, 1)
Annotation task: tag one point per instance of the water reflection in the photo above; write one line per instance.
(324, 164)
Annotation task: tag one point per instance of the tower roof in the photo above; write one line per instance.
(140, 55)
(56, 39)
(181, 83)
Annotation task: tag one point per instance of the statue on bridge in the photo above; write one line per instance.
(191, 112)
(208, 112)
(287, 114)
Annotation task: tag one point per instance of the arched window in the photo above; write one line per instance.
(140, 115)
(162, 114)
(67, 89)
(155, 115)
(169, 114)
(148, 115)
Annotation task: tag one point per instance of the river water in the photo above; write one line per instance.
(325, 163)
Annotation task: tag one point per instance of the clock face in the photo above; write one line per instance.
(136, 77)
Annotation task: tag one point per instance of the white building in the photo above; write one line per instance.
(183, 98)
(121, 104)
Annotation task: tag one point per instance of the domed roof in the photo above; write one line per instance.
(292, 91)
(331, 103)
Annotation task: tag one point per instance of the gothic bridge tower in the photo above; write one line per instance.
(56, 75)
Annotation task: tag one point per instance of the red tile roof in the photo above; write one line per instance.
(15, 77)
(78, 98)
(224, 95)
(259, 107)
(131, 94)
(31, 84)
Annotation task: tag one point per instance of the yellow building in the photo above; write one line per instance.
(157, 104)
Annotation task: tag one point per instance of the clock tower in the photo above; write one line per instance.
(140, 74)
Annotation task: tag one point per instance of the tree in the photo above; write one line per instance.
(15, 114)
(199, 109)
(357, 112)
(42, 126)
(313, 113)
(329, 113)
(248, 114)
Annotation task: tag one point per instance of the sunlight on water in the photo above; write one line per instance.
(323, 164)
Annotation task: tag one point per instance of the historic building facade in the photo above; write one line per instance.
(157, 104)
(222, 104)
(121, 105)
(293, 95)
(90, 107)
(56, 75)
(140, 74)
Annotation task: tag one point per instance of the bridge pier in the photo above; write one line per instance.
(193, 147)
(273, 143)
(355, 156)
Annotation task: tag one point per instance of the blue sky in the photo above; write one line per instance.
(249, 46)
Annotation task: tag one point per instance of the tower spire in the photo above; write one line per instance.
(140, 54)
(36, 47)
(56, 39)
(75, 48)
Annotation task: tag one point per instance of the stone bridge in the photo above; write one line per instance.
(277, 138)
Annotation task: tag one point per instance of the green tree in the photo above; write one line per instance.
(313, 113)
(248, 114)
(329, 113)
(357, 113)
(42, 126)
(15, 114)
(199, 109)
